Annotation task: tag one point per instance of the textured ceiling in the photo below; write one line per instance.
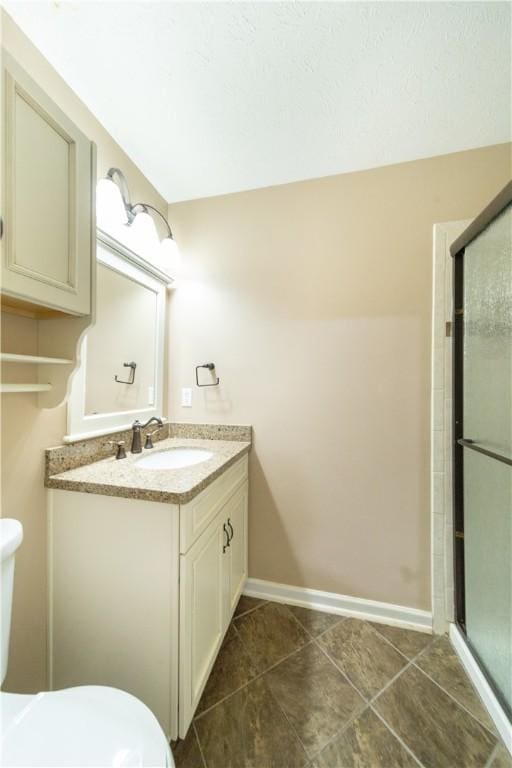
(209, 98)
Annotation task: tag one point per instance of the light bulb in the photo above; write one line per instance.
(110, 210)
(144, 237)
(170, 256)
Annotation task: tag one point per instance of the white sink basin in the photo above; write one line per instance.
(174, 458)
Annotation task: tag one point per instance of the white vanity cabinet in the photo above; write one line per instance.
(48, 189)
(212, 576)
(142, 592)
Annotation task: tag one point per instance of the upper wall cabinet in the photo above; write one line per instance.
(48, 212)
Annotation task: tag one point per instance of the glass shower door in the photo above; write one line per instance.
(484, 462)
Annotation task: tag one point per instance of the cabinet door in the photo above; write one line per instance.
(235, 515)
(48, 190)
(202, 616)
(114, 599)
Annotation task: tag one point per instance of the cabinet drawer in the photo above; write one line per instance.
(198, 513)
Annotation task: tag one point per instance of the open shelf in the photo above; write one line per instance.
(7, 357)
(4, 388)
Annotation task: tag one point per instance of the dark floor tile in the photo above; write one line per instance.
(246, 604)
(439, 732)
(315, 622)
(269, 634)
(442, 664)
(501, 759)
(408, 642)
(367, 743)
(248, 730)
(366, 658)
(314, 695)
(186, 752)
(232, 669)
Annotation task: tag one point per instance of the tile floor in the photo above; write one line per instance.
(293, 687)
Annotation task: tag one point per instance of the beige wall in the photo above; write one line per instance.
(26, 430)
(314, 301)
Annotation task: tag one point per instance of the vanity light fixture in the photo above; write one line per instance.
(139, 215)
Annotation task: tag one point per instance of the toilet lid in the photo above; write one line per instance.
(79, 727)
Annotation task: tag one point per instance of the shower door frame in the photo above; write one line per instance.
(495, 207)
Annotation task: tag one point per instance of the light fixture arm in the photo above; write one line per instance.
(117, 176)
(145, 207)
(122, 184)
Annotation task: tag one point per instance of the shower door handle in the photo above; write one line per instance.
(467, 443)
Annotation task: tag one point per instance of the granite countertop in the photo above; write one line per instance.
(110, 477)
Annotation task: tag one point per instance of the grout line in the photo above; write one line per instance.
(256, 677)
(410, 663)
(310, 641)
(313, 641)
(394, 647)
(388, 685)
(343, 674)
(433, 639)
(332, 661)
(343, 728)
(397, 737)
(262, 674)
(491, 757)
(340, 618)
(368, 702)
(250, 610)
(453, 698)
(205, 765)
(493, 754)
(306, 753)
(359, 710)
(298, 621)
(232, 626)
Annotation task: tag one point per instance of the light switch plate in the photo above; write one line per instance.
(186, 397)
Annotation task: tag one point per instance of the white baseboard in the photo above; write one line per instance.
(331, 602)
(493, 706)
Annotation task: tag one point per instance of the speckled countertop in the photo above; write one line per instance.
(110, 477)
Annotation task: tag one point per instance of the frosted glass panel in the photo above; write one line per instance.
(487, 544)
(487, 384)
(488, 337)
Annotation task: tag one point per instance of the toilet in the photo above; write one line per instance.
(85, 726)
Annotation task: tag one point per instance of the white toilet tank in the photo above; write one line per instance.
(11, 535)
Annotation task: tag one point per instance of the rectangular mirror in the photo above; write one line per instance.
(120, 378)
(121, 303)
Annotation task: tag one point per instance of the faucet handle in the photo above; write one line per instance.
(121, 452)
(149, 440)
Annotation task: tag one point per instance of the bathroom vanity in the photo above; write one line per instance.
(145, 570)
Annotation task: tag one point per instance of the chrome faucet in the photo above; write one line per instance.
(136, 430)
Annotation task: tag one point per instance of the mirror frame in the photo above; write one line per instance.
(80, 426)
